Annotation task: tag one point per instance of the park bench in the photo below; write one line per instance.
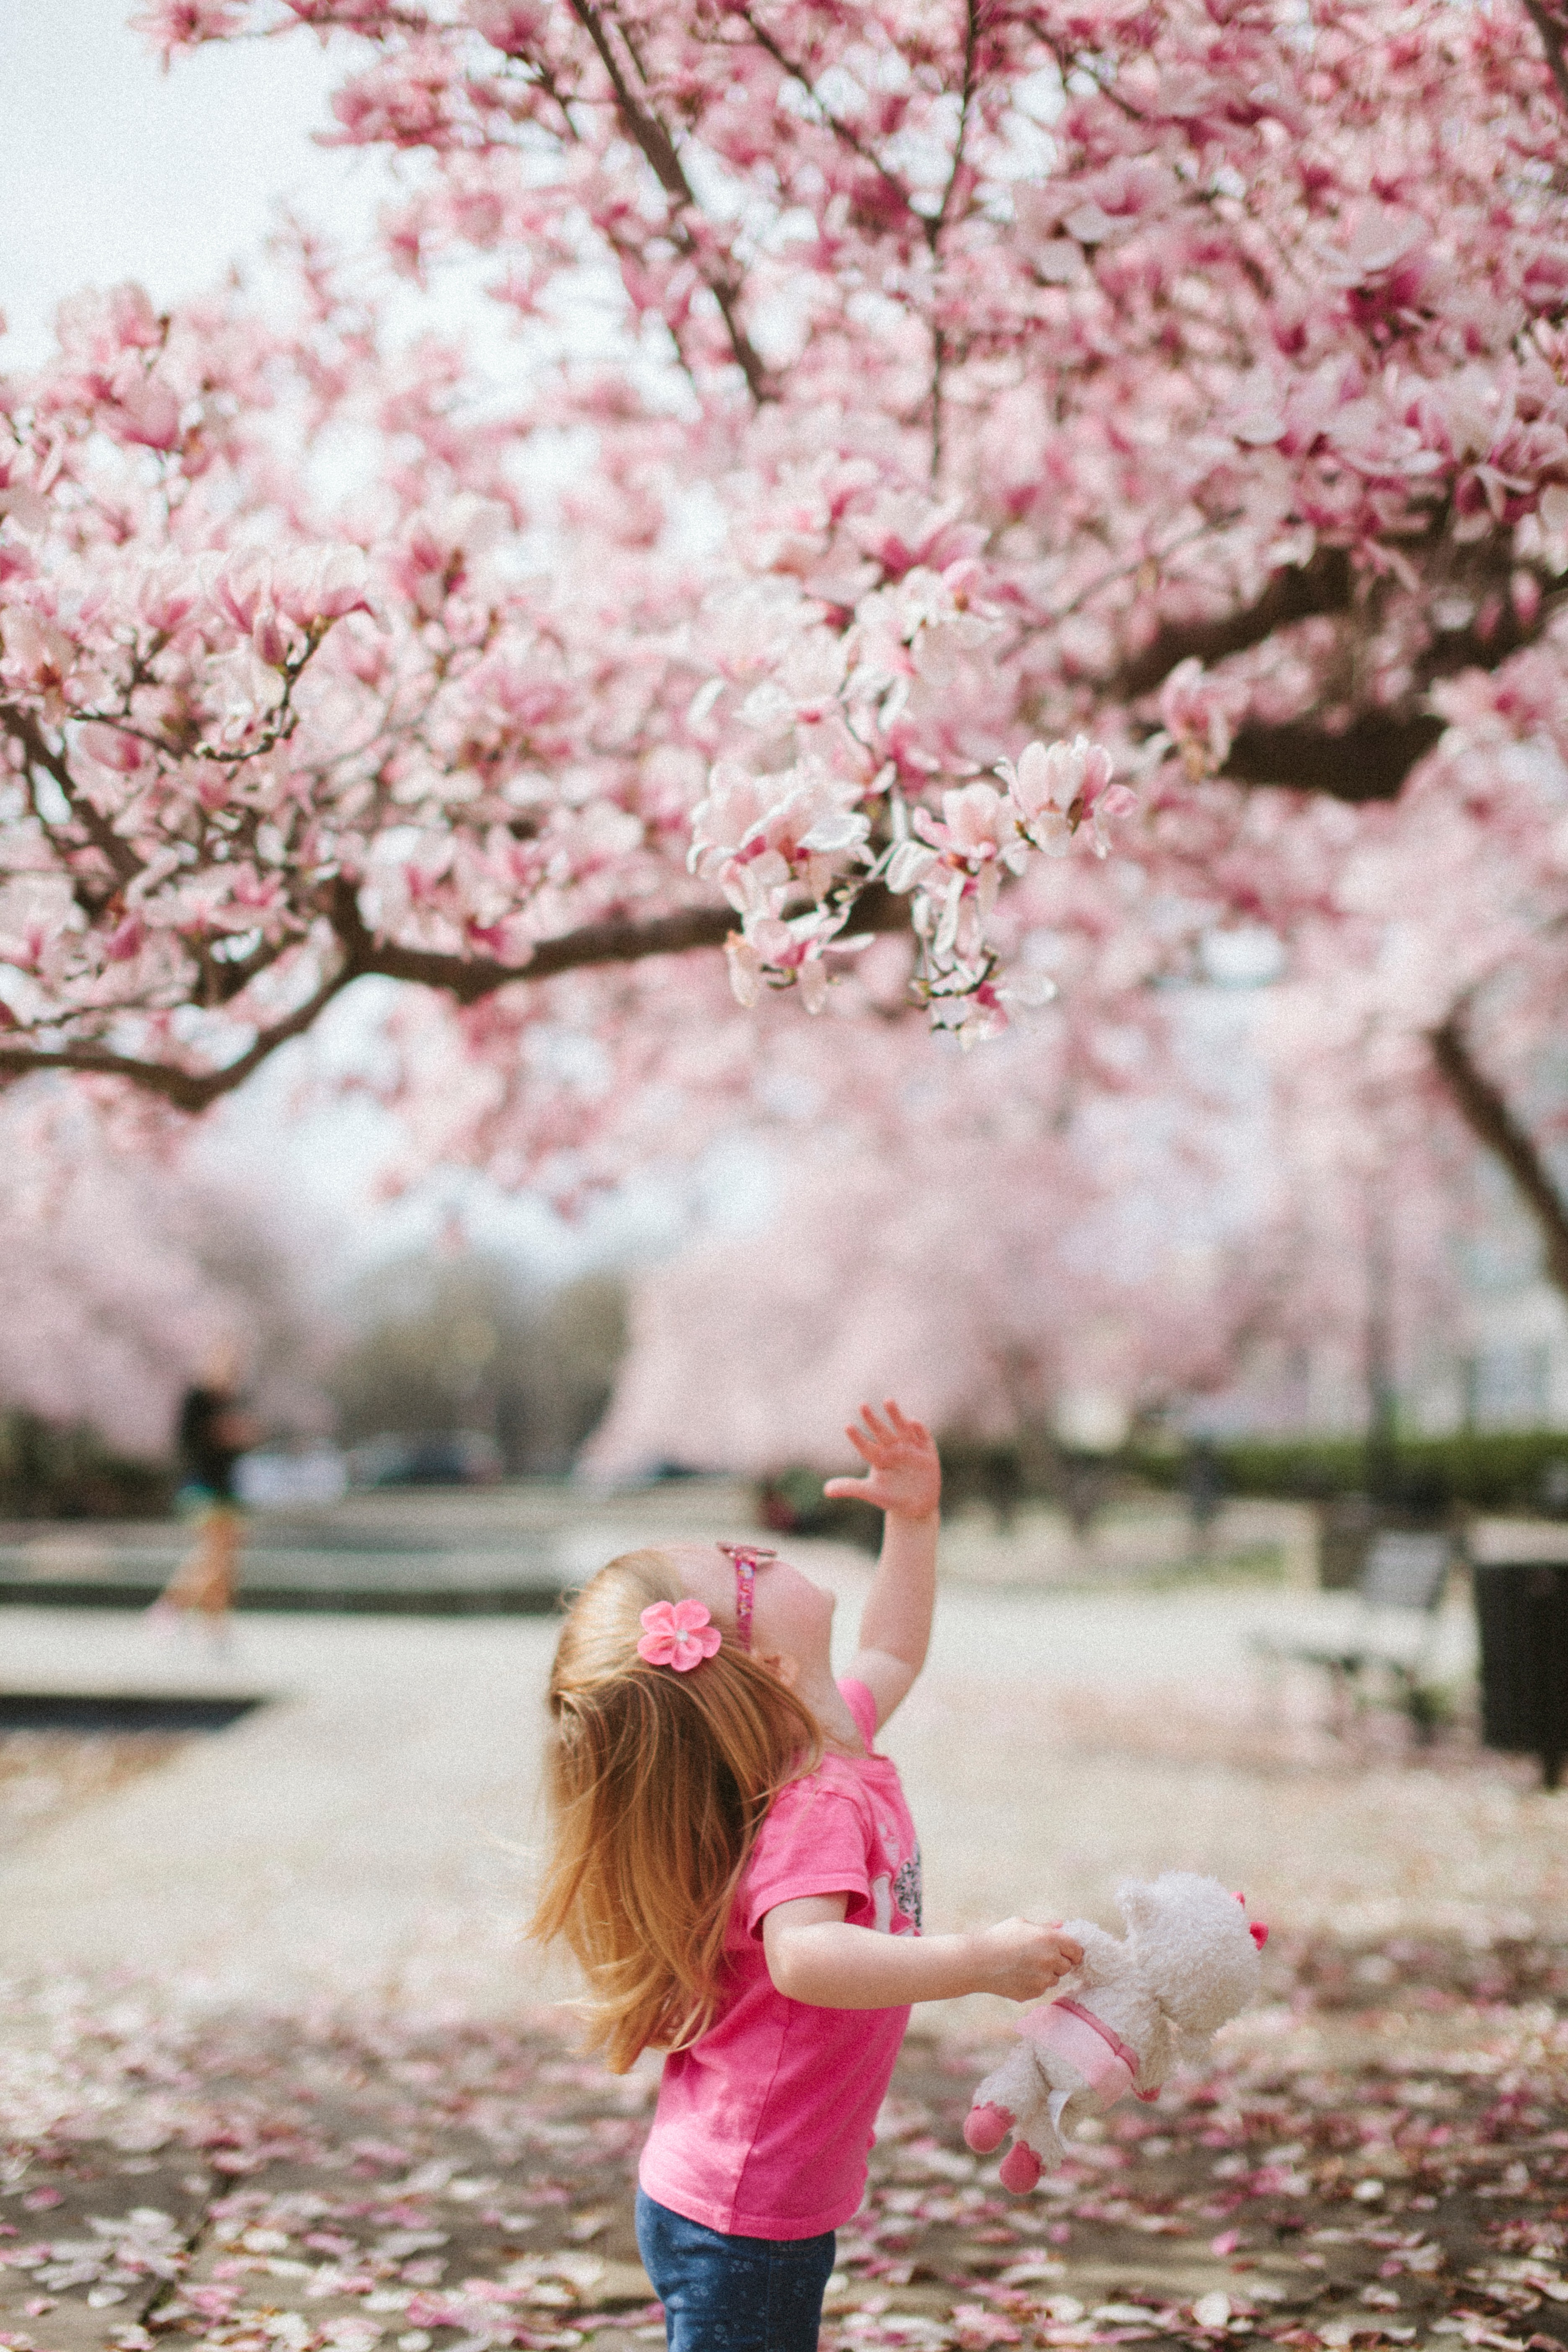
(1381, 1645)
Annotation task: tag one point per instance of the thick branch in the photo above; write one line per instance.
(1300, 594)
(1370, 758)
(1497, 631)
(1481, 1106)
(1550, 30)
(1367, 760)
(469, 978)
(466, 978)
(190, 1090)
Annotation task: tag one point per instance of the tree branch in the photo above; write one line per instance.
(934, 227)
(1551, 33)
(469, 978)
(1303, 593)
(1370, 758)
(465, 978)
(842, 130)
(659, 151)
(190, 1090)
(1481, 1106)
(938, 221)
(1367, 760)
(24, 729)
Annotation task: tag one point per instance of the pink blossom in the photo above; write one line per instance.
(35, 911)
(149, 414)
(754, 831)
(516, 26)
(172, 25)
(322, 583)
(1199, 709)
(1053, 787)
(35, 654)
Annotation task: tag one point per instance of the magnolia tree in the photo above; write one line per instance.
(123, 1280)
(943, 444)
(1273, 1253)
(982, 1316)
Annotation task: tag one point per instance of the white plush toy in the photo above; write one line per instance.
(1123, 2020)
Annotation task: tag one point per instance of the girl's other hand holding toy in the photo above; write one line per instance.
(1187, 1964)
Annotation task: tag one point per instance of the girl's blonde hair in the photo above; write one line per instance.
(657, 1783)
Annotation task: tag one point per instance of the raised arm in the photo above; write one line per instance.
(903, 1479)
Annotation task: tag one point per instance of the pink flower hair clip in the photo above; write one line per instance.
(679, 1633)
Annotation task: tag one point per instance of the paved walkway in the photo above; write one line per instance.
(426, 1549)
(270, 2077)
(511, 1548)
(371, 1832)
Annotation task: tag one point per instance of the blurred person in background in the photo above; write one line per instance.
(214, 1429)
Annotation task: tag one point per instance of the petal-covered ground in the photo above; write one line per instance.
(276, 2070)
(1381, 2160)
(44, 1775)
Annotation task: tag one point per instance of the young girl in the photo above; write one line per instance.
(735, 1868)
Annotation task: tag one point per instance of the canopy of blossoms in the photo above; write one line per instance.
(942, 442)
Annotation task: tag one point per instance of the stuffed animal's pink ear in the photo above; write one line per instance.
(1255, 1927)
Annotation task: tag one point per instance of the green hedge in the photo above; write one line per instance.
(50, 1473)
(1505, 1470)
(1501, 1470)
(792, 1503)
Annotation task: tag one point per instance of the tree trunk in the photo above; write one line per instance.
(1481, 1106)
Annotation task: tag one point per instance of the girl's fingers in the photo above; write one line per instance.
(859, 1443)
(852, 1487)
(900, 1425)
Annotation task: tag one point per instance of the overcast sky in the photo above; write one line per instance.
(111, 169)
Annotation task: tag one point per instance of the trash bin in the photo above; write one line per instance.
(1346, 1526)
(1522, 1608)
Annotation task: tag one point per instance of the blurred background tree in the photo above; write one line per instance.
(442, 1343)
(124, 1272)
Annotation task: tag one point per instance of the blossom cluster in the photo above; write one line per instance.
(770, 839)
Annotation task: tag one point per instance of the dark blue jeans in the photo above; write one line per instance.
(732, 2295)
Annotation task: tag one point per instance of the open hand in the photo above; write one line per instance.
(903, 1475)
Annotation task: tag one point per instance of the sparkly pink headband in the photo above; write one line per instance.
(746, 1558)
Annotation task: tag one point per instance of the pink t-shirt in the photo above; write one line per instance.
(763, 2125)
